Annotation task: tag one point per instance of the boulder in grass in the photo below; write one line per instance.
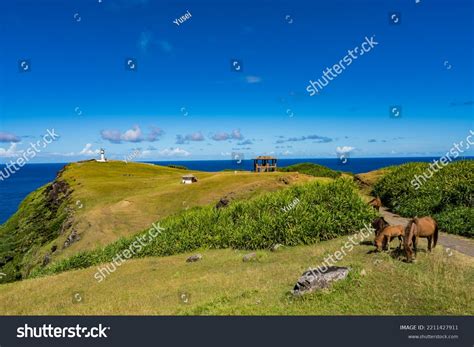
(223, 202)
(319, 278)
(194, 258)
(249, 257)
(46, 259)
(276, 247)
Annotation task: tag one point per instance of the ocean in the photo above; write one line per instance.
(32, 176)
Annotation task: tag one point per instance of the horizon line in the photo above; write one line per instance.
(231, 160)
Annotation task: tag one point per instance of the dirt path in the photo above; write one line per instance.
(448, 241)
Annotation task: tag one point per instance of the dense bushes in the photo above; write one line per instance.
(312, 170)
(457, 220)
(448, 195)
(179, 167)
(321, 212)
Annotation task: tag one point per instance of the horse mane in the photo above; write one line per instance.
(379, 236)
(408, 227)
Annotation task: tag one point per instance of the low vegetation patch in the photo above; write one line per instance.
(222, 284)
(179, 167)
(324, 211)
(312, 170)
(448, 195)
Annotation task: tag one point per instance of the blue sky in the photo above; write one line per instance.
(183, 100)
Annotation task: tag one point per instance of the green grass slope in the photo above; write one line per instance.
(221, 284)
(93, 204)
(312, 170)
(40, 219)
(318, 212)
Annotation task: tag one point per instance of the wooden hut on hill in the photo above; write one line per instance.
(265, 163)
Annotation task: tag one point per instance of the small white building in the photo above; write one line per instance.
(188, 179)
(102, 159)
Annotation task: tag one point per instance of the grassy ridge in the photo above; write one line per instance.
(324, 211)
(448, 195)
(99, 203)
(38, 221)
(311, 170)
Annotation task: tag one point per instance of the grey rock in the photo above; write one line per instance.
(194, 258)
(73, 237)
(250, 257)
(276, 247)
(319, 278)
(46, 259)
(223, 202)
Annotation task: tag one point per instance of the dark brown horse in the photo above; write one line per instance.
(419, 227)
(379, 224)
(376, 203)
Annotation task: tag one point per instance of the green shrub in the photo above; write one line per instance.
(312, 170)
(180, 167)
(457, 220)
(448, 193)
(324, 211)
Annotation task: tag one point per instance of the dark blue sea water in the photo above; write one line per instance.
(354, 165)
(32, 176)
(16, 187)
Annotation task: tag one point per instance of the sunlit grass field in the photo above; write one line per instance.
(222, 284)
(120, 199)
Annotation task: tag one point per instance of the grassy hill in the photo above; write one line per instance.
(221, 284)
(92, 204)
(303, 214)
(264, 213)
(311, 169)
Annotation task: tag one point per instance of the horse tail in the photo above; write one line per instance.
(435, 236)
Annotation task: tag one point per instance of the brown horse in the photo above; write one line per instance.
(384, 238)
(379, 224)
(375, 203)
(416, 228)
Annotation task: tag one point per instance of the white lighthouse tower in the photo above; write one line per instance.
(102, 159)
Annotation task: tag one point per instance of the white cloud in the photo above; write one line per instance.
(223, 136)
(8, 137)
(10, 152)
(155, 134)
(87, 150)
(253, 79)
(344, 149)
(144, 40)
(171, 152)
(131, 135)
(197, 136)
